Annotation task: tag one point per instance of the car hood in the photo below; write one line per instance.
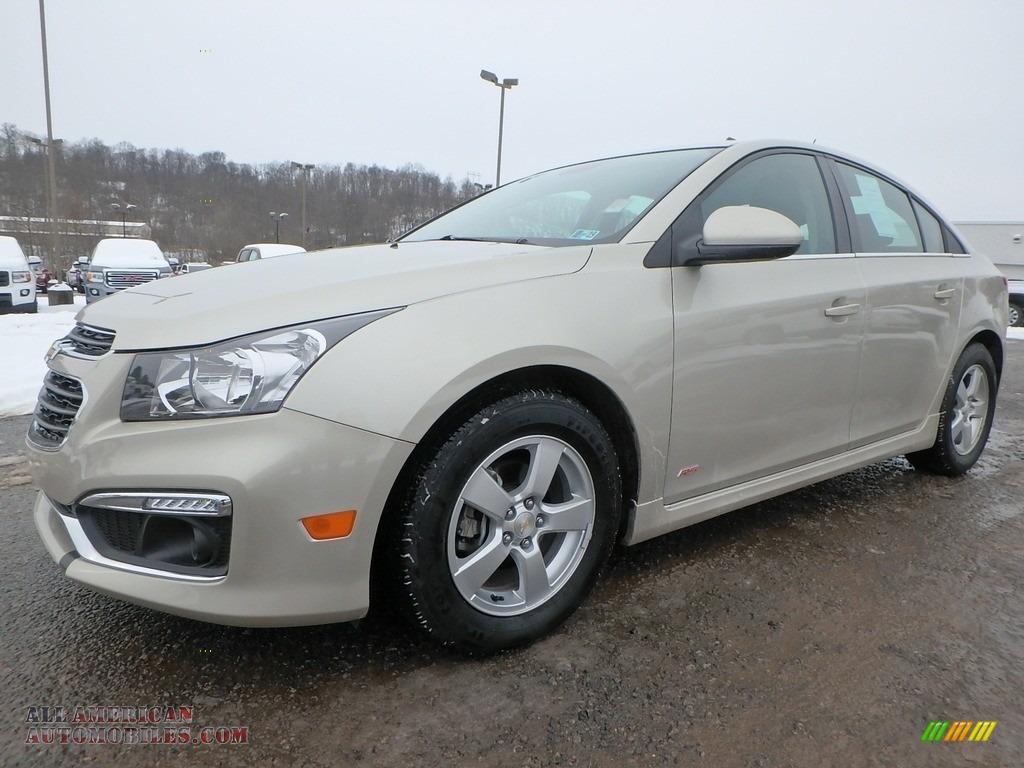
(238, 299)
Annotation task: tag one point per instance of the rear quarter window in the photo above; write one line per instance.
(881, 216)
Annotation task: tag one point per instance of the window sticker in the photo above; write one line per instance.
(871, 202)
(585, 234)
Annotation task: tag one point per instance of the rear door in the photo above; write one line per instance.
(914, 294)
(766, 353)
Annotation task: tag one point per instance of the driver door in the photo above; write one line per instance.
(766, 353)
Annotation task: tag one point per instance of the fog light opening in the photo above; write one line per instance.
(334, 525)
(179, 541)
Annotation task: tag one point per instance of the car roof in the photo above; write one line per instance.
(10, 250)
(127, 247)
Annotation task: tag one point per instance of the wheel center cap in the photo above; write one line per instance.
(524, 525)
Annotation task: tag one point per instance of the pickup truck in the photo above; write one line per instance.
(1016, 302)
(258, 251)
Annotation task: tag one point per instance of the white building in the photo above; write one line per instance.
(1001, 241)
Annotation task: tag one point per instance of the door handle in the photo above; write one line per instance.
(843, 310)
(945, 293)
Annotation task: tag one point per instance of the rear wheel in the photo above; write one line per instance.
(1015, 319)
(509, 522)
(966, 415)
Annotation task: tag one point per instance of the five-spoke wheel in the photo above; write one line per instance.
(965, 417)
(506, 528)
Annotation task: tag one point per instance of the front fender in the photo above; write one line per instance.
(611, 321)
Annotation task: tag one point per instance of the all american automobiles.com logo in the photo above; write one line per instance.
(171, 725)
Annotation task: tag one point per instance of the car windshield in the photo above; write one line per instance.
(590, 202)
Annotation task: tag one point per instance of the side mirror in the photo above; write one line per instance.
(746, 233)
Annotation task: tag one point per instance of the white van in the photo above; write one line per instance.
(118, 263)
(17, 282)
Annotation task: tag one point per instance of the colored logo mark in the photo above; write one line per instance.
(958, 730)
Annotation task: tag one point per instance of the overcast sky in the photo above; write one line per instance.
(930, 90)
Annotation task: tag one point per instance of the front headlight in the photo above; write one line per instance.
(95, 277)
(251, 374)
(22, 277)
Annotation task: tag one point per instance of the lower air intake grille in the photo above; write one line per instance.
(192, 545)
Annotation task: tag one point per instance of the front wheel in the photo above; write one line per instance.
(1015, 319)
(966, 415)
(508, 523)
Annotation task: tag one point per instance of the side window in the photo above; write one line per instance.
(931, 230)
(881, 218)
(785, 183)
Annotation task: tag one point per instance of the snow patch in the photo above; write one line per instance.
(24, 340)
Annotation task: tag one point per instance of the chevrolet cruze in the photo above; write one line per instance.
(476, 413)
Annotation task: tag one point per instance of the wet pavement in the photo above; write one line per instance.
(827, 627)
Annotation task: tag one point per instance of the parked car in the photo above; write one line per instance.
(257, 251)
(76, 274)
(476, 413)
(1016, 289)
(192, 266)
(118, 263)
(17, 281)
(43, 275)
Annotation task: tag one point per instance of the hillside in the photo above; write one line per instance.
(206, 206)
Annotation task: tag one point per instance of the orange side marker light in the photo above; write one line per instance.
(333, 525)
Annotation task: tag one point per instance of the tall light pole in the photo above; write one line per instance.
(305, 168)
(50, 146)
(505, 85)
(277, 224)
(48, 168)
(124, 210)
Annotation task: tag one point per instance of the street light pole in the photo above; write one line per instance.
(50, 146)
(305, 168)
(505, 85)
(277, 224)
(128, 208)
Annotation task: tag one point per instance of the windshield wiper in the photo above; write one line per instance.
(520, 241)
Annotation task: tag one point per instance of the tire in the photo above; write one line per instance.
(508, 523)
(34, 308)
(1016, 319)
(965, 417)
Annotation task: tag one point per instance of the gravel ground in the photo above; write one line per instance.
(827, 627)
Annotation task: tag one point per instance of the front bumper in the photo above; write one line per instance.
(276, 468)
(95, 291)
(12, 300)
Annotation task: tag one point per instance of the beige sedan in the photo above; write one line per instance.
(474, 415)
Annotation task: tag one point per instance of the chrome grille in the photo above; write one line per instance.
(89, 341)
(126, 279)
(59, 401)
